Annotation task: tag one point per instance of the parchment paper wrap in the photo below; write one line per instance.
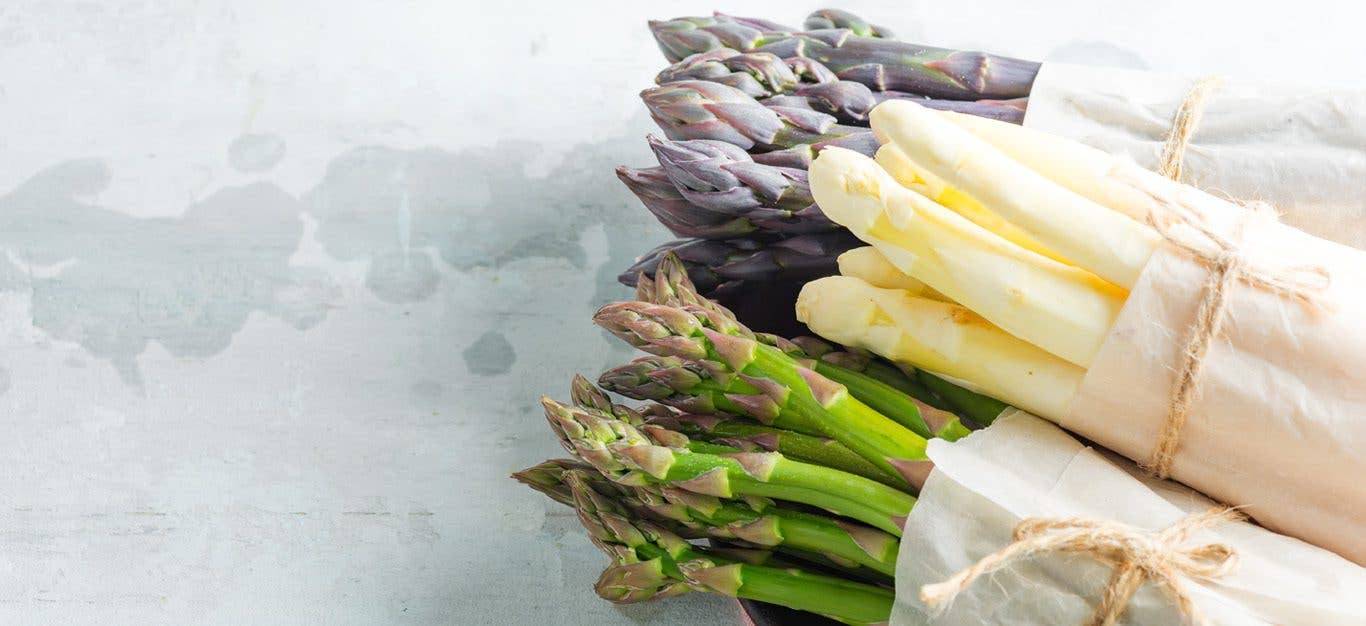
(1300, 149)
(1021, 467)
(1278, 424)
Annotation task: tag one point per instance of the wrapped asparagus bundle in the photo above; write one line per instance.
(1026, 473)
(1300, 149)
(1185, 332)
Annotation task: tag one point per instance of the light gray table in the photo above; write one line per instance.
(281, 283)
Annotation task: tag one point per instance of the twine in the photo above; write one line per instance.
(1183, 126)
(1137, 555)
(1188, 231)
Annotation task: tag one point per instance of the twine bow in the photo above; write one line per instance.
(1137, 555)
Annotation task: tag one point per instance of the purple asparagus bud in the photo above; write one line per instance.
(880, 63)
(722, 178)
(758, 74)
(835, 18)
(676, 213)
(703, 110)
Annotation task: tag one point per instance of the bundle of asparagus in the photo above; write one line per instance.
(796, 458)
(1077, 286)
(746, 105)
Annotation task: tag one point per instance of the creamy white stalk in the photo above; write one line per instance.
(939, 337)
(1059, 308)
(1087, 234)
(925, 183)
(868, 265)
(1112, 181)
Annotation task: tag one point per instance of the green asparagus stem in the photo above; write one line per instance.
(651, 561)
(808, 401)
(759, 522)
(980, 409)
(747, 436)
(621, 452)
(895, 394)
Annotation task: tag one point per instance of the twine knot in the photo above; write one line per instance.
(1137, 555)
(1189, 231)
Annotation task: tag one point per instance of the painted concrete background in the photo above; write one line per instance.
(280, 284)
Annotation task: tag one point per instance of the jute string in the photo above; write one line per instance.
(1137, 556)
(1189, 232)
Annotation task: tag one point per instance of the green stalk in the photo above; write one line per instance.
(752, 437)
(816, 404)
(759, 522)
(829, 407)
(838, 598)
(651, 562)
(979, 408)
(779, 478)
(624, 454)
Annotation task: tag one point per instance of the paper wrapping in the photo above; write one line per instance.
(1278, 424)
(1025, 467)
(1300, 149)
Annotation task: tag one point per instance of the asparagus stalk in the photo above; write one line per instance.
(622, 453)
(690, 387)
(882, 386)
(978, 408)
(722, 180)
(808, 401)
(759, 523)
(1063, 309)
(851, 103)
(836, 18)
(713, 263)
(1087, 234)
(651, 562)
(693, 109)
(940, 337)
(681, 217)
(807, 84)
(747, 436)
(883, 64)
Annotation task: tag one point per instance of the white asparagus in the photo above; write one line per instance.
(1112, 181)
(925, 183)
(940, 337)
(1059, 308)
(868, 265)
(1087, 234)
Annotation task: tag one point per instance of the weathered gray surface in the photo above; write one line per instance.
(280, 286)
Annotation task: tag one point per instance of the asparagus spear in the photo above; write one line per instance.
(836, 18)
(622, 453)
(713, 263)
(651, 562)
(883, 64)
(881, 385)
(681, 217)
(694, 109)
(690, 387)
(719, 179)
(806, 400)
(807, 84)
(759, 523)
